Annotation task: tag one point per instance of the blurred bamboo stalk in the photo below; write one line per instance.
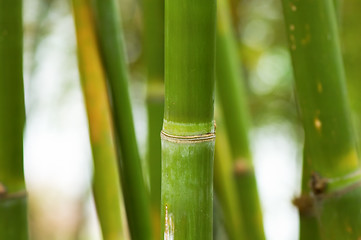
(154, 49)
(13, 200)
(233, 101)
(234, 13)
(110, 35)
(331, 175)
(188, 127)
(106, 186)
(224, 184)
(338, 9)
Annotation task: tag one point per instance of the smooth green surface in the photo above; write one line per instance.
(155, 117)
(12, 109)
(320, 85)
(232, 97)
(330, 147)
(154, 50)
(225, 187)
(187, 167)
(13, 212)
(309, 228)
(154, 40)
(250, 204)
(230, 85)
(340, 217)
(189, 54)
(350, 42)
(106, 186)
(187, 190)
(13, 219)
(136, 199)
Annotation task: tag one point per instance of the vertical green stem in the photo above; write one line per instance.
(235, 15)
(106, 186)
(154, 48)
(337, 4)
(351, 47)
(188, 128)
(232, 97)
(331, 167)
(13, 201)
(224, 185)
(109, 30)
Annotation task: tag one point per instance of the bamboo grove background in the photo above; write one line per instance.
(263, 51)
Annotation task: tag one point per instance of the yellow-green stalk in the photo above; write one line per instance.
(232, 98)
(224, 185)
(106, 186)
(110, 35)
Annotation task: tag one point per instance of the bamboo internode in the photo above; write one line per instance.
(106, 185)
(111, 42)
(330, 154)
(13, 200)
(233, 101)
(188, 128)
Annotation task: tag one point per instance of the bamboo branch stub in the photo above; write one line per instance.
(306, 203)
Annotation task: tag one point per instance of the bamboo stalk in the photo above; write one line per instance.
(234, 11)
(351, 48)
(224, 184)
(331, 177)
(188, 128)
(13, 200)
(232, 97)
(154, 49)
(106, 186)
(110, 35)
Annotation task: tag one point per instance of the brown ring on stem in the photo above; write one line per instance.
(188, 139)
(12, 196)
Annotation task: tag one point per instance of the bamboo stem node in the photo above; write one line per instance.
(321, 185)
(324, 189)
(4, 196)
(242, 167)
(3, 189)
(340, 192)
(188, 139)
(318, 184)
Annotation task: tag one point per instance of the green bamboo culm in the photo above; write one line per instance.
(188, 127)
(154, 49)
(110, 35)
(351, 48)
(232, 99)
(106, 185)
(224, 185)
(331, 175)
(13, 200)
